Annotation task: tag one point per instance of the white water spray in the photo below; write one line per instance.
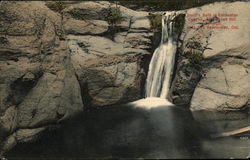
(162, 63)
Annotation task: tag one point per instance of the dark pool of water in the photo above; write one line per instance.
(126, 132)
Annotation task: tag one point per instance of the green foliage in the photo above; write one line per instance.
(194, 51)
(57, 6)
(195, 56)
(114, 16)
(155, 22)
(179, 23)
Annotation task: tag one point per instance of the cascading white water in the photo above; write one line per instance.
(161, 67)
(162, 63)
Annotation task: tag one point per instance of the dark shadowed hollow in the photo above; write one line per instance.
(128, 132)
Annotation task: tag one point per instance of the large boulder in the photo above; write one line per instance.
(55, 61)
(226, 82)
(111, 80)
(109, 61)
(219, 80)
(38, 86)
(212, 76)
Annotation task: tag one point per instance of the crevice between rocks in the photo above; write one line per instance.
(218, 92)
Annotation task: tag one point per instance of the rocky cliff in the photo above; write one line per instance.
(213, 64)
(38, 84)
(212, 74)
(56, 61)
(110, 65)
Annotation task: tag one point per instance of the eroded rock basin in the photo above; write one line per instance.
(125, 131)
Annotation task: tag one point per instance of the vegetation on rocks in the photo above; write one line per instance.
(56, 6)
(155, 22)
(114, 16)
(195, 56)
(194, 52)
(179, 24)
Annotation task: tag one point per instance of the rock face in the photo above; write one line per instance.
(109, 64)
(223, 74)
(226, 82)
(38, 86)
(53, 64)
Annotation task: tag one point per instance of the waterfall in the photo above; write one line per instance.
(161, 67)
(162, 63)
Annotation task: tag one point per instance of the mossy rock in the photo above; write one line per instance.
(195, 56)
(57, 6)
(179, 24)
(155, 22)
(114, 16)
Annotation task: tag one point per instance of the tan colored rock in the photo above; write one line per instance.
(111, 80)
(81, 27)
(8, 121)
(20, 136)
(219, 40)
(221, 80)
(38, 85)
(109, 68)
(225, 85)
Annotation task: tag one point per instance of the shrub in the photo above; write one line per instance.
(155, 22)
(195, 56)
(194, 51)
(179, 24)
(114, 16)
(56, 6)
